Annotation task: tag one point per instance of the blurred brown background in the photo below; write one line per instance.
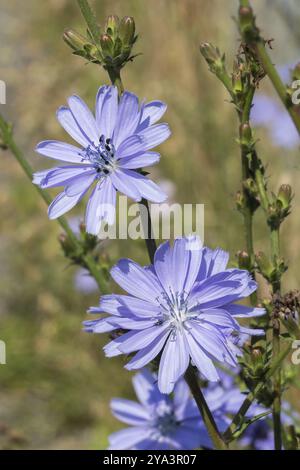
(56, 386)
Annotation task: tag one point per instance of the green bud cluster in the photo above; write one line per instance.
(286, 308)
(87, 244)
(112, 49)
(255, 364)
(280, 206)
(271, 270)
(213, 57)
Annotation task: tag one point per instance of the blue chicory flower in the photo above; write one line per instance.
(260, 434)
(182, 307)
(84, 282)
(159, 421)
(115, 143)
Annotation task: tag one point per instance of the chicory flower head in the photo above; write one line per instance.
(114, 144)
(182, 307)
(159, 421)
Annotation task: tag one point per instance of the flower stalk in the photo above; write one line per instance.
(205, 412)
(252, 37)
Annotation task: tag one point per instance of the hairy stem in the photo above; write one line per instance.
(275, 250)
(279, 86)
(254, 39)
(87, 259)
(247, 212)
(275, 253)
(90, 19)
(205, 412)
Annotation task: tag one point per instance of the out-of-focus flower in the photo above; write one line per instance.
(260, 436)
(184, 306)
(226, 398)
(115, 143)
(158, 422)
(84, 282)
(271, 114)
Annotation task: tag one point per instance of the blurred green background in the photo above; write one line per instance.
(56, 386)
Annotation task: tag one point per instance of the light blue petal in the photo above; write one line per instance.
(129, 412)
(127, 118)
(71, 126)
(123, 184)
(106, 110)
(132, 146)
(63, 203)
(80, 183)
(101, 206)
(241, 311)
(146, 389)
(60, 151)
(136, 280)
(174, 362)
(84, 118)
(126, 439)
(155, 135)
(151, 113)
(145, 355)
(141, 160)
(203, 363)
(142, 339)
(60, 176)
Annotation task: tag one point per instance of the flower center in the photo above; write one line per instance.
(175, 308)
(101, 156)
(165, 421)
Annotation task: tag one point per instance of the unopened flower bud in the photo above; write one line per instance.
(244, 260)
(264, 264)
(127, 30)
(246, 134)
(112, 25)
(285, 195)
(107, 45)
(213, 57)
(75, 40)
(246, 19)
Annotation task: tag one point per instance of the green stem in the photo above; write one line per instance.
(150, 241)
(87, 259)
(247, 212)
(253, 38)
(275, 253)
(279, 86)
(275, 250)
(90, 19)
(205, 412)
(115, 78)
